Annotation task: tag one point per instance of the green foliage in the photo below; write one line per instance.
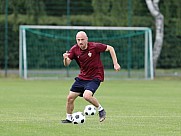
(109, 13)
(171, 56)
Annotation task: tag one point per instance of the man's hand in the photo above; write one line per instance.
(66, 59)
(117, 67)
(65, 55)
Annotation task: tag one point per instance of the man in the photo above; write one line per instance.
(87, 56)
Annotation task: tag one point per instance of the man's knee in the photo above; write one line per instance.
(87, 95)
(70, 99)
(72, 96)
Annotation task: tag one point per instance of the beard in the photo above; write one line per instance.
(83, 46)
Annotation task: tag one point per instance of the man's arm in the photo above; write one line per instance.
(113, 56)
(66, 60)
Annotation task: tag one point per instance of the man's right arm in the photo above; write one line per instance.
(66, 60)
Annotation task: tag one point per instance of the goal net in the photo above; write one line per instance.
(41, 49)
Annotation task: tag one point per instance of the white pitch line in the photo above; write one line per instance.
(24, 120)
(146, 116)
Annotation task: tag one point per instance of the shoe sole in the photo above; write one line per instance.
(102, 119)
(65, 122)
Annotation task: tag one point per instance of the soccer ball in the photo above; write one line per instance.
(78, 118)
(90, 110)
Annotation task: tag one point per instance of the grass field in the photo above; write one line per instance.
(134, 108)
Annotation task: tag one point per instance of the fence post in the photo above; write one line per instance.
(6, 40)
(129, 40)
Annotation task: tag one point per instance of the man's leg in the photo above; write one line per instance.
(70, 101)
(88, 97)
(70, 106)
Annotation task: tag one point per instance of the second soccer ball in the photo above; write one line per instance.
(90, 110)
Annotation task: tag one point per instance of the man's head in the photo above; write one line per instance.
(82, 40)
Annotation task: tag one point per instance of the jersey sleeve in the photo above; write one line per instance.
(71, 53)
(100, 47)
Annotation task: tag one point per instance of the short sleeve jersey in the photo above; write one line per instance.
(89, 60)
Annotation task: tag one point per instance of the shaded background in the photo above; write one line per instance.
(87, 13)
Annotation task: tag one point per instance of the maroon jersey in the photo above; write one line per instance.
(89, 60)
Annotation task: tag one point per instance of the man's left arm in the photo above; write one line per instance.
(113, 56)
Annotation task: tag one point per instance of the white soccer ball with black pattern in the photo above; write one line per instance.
(78, 118)
(90, 110)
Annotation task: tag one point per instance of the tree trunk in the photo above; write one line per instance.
(159, 22)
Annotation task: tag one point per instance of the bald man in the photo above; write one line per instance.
(87, 56)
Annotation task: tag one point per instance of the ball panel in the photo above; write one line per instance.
(90, 110)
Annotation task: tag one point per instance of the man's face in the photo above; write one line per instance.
(82, 40)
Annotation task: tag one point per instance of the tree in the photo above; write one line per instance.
(109, 12)
(32, 8)
(35, 8)
(159, 22)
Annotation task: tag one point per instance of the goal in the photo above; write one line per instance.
(41, 49)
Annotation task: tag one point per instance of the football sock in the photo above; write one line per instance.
(100, 108)
(69, 117)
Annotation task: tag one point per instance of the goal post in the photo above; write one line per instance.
(41, 49)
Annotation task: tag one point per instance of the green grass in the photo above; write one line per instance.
(134, 108)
